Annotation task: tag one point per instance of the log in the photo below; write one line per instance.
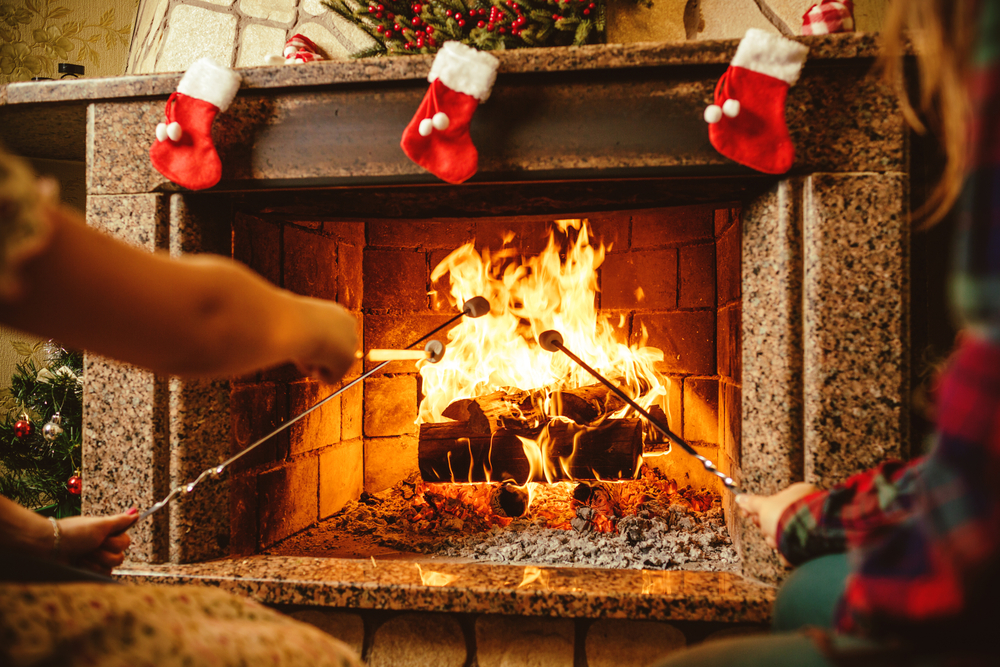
(515, 408)
(452, 451)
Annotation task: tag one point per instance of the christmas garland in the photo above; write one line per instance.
(40, 430)
(407, 28)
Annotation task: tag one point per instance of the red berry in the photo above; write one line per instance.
(586, 11)
(378, 29)
(396, 27)
(502, 30)
(431, 41)
(381, 8)
(447, 12)
(592, 5)
(371, 9)
(379, 15)
(489, 28)
(415, 20)
(461, 24)
(390, 15)
(555, 17)
(458, 16)
(481, 24)
(430, 30)
(406, 46)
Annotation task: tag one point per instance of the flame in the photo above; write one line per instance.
(556, 289)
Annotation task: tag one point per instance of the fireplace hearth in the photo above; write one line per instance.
(788, 357)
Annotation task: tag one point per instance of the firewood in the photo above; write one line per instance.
(453, 451)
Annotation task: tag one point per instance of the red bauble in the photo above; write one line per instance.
(74, 485)
(23, 428)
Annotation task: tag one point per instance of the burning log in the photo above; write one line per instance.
(455, 451)
(516, 408)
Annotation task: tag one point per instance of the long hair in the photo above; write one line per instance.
(943, 34)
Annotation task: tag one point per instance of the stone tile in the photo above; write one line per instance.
(686, 338)
(352, 409)
(509, 641)
(729, 259)
(616, 642)
(389, 460)
(722, 221)
(730, 352)
(320, 427)
(257, 409)
(345, 231)
(771, 448)
(396, 331)
(697, 277)
(856, 351)
(350, 277)
(395, 280)
(611, 228)
(310, 264)
(421, 234)
(288, 498)
(346, 626)
(257, 244)
(126, 449)
(730, 19)
(257, 42)
(640, 279)
(658, 227)
(279, 11)
(341, 476)
(196, 32)
(701, 410)
(390, 406)
(659, 22)
(419, 640)
(243, 535)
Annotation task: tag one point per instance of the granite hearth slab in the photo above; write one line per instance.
(475, 588)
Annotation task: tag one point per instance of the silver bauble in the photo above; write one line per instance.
(53, 429)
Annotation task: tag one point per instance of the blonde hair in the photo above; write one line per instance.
(943, 34)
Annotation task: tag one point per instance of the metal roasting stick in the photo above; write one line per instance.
(434, 350)
(552, 341)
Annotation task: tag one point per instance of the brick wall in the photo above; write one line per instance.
(661, 273)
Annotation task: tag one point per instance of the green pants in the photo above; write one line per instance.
(808, 598)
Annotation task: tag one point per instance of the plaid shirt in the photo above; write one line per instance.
(924, 537)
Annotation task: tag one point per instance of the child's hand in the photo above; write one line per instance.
(96, 543)
(766, 511)
(331, 340)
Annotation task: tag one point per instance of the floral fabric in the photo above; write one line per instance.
(155, 626)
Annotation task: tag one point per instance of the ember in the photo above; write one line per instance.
(646, 523)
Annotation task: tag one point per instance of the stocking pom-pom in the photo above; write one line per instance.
(731, 108)
(713, 114)
(426, 127)
(161, 132)
(174, 131)
(441, 121)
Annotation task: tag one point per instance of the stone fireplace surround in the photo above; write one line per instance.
(824, 288)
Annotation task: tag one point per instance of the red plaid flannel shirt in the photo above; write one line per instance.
(828, 17)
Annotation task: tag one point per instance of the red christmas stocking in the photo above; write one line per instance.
(183, 150)
(829, 16)
(747, 121)
(438, 136)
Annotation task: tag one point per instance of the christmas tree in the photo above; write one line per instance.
(408, 27)
(40, 430)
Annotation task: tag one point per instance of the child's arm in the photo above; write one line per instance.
(195, 316)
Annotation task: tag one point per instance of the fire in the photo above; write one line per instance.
(556, 289)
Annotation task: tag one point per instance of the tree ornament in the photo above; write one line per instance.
(747, 121)
(74, 485)
(437, 137)
(53, 429)
(23, 428)
(183, 150)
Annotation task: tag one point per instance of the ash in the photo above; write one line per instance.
(641, 524)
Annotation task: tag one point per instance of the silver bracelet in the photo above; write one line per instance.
(58, 537)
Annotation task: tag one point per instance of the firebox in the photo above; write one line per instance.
(653, 294)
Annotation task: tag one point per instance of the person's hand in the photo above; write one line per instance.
(96, 543)
(766, 511)
(331, 335)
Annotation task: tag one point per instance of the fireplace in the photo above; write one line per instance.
(798, 325)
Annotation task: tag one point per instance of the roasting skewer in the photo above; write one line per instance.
(552, 341)
(474, 307)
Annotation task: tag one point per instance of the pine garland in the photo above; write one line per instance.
(409, 28)
(34, 471)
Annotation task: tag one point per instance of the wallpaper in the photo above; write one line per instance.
(37, 35)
